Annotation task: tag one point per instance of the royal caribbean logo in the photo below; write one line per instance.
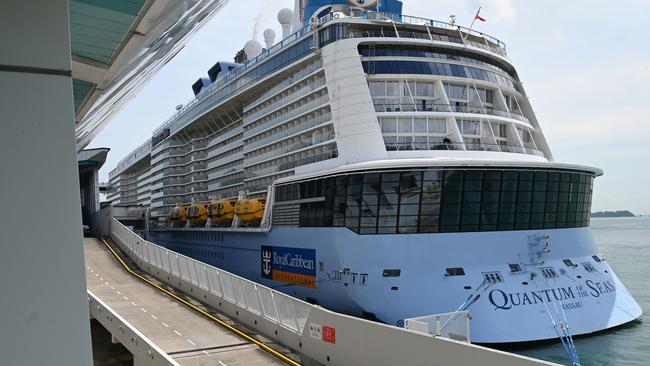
(296, 266)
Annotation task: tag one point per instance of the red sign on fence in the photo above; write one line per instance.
(329, 334)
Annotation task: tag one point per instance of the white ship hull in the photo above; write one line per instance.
(518, 309)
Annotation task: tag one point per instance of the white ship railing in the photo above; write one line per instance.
(318, 335)
(430, 107)
(137, 154)
(453, 325)
(490, 43)
(142, 348)
(469, 146)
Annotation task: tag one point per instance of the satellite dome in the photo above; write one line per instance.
(285, 15)
(269, 37)
(269, 33)
(252, 48)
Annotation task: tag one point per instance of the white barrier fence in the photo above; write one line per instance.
(318, 335)
(453, 325)
(145, 352)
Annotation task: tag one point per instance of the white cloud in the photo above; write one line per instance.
(644, 71)
(559, 36)
(503, 10)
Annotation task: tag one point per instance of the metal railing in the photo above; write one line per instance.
(139, 153)
(430, 107)
(294, 96)
(309, 105)
(469, 146)
(295, 78)
(490, 43)
(299, 325)
(281, 309)
(288, 131)
(453, 325)
(181, 117)
(141, 347)
(297, 143)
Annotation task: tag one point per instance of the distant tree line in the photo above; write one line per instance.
(624, 213)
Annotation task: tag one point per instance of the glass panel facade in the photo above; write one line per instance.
(438, 68)
(413, 133)
(387, 50)
(444, 200)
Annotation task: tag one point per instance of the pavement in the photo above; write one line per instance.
(183, 334)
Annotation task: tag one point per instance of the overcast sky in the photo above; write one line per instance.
(585, 66)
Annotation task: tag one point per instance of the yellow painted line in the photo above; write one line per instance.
(241, 334)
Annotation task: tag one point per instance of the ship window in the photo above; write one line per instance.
(338, 275)
(549, 272)
(596, 258)
(455, 271)
(493, 277)
(588, 267)
(515, 267)
(444, 200)
(391, 272)
(353, 278)
(569, 263)
(363, 279)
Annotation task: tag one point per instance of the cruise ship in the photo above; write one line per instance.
(396, 169)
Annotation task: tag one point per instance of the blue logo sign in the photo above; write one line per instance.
(289, 265)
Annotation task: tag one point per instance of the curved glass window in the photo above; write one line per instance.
(437, 68)
(444, 200)
(386, 50)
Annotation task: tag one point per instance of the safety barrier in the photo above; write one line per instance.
(454, 325)
(318, 335)
(145, 352)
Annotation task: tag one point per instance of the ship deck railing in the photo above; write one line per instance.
(429, 107)
(490, 43)
(460, 146)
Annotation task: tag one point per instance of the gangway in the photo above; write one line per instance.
(314, 335)
(170, 332)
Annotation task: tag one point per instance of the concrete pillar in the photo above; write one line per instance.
(44, 317)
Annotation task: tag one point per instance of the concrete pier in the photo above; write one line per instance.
(183, 334)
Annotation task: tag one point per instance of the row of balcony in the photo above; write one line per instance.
(431, 107)
(473, 146)
(291, 97)
(291, 147)
(282, 117)
(287, 130)
(330, 153)
(297, 77)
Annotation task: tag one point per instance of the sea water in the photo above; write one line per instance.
(625, 242)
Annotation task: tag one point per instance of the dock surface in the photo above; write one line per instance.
(189, 338)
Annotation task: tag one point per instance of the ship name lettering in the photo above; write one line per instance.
(599, 288)
(572, 305)
(505, 301)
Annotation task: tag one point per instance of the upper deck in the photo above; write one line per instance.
(350, 86)
(226, 85)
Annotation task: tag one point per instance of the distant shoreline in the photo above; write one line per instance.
(623, 213)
